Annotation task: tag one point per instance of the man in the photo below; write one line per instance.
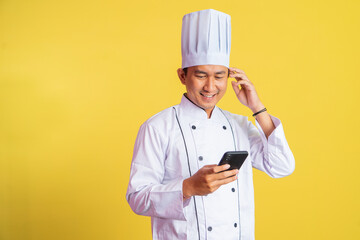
(174, 175)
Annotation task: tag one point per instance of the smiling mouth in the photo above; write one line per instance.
(207, 95)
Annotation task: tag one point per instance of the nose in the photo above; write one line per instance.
(210, 85)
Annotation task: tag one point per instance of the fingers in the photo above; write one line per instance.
(235, 87)
(223, 172)
(227, 174)
(210, 177)
(227, 180)
(216, 172)
(236, 70)
(241, 82)
(245, 84)
(238, 76)
(237, 73)
(221, 168)
(218, 179)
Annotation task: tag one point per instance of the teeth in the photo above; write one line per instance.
(208, 96)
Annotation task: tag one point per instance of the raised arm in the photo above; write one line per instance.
(270, 151)
(248, 96)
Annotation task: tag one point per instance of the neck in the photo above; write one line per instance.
(208, 111)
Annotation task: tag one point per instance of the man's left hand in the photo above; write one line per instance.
(246, 94)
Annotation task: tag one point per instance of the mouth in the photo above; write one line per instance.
(208, 95)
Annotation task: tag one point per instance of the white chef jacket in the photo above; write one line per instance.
(174, 144)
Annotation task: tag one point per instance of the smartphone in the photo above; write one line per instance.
(234, 158)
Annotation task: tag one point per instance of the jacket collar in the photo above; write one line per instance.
(193, 112)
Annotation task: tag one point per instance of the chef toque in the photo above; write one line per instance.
(205, 38)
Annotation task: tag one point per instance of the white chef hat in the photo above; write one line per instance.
(205, 38)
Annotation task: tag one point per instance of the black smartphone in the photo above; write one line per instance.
(234, 158)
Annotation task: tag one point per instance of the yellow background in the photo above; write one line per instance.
(77, 78)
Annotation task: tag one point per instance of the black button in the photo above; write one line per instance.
(193, 127)
(224, 127)
(235, 224)
(209, 229)
(201, 158)
(233, 189)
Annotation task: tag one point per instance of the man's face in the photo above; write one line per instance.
(205, 85)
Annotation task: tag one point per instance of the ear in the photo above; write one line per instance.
(181, 75)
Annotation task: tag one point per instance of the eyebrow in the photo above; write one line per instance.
(202, 72)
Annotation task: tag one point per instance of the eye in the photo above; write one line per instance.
(218, 77)
(201, 77)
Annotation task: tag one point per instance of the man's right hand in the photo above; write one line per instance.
(208, 179)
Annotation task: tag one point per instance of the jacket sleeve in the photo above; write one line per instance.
(147, 194)
(273, 155)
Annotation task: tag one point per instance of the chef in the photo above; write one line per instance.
(174, 175)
